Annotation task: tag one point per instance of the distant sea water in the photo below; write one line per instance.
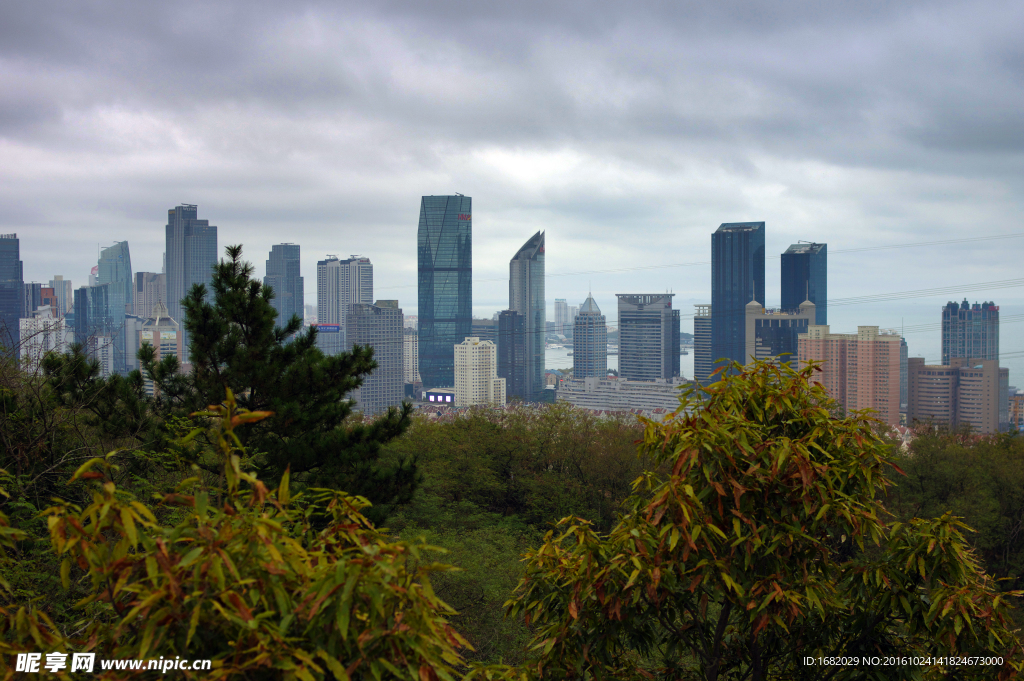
(558, 358)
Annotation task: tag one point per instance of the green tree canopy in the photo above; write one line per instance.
(235, 343)
(766, 544)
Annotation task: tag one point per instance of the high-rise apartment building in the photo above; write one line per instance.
(526, 296)
(410, 355)
(648, 337)
(41, 333)
(965, 391)
(805, 277)
(65, 294)
(703, 363)
(561, 316)
(445, 280)
(859, 370)
(970, 331)
(340, 284)
(164, 334)
(590, 342)
(378, 326)
(476, 374)
(904, 385)
(772, 334)
(737, 276)
(285, 277)
(150, 289)
(190, 255)
(512, 353)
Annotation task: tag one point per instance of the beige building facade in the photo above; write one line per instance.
(859, 370)
(164, 334)
(965, 391)
(476, 374)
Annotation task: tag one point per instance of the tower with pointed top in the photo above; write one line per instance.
(526, 297)
(590, 342)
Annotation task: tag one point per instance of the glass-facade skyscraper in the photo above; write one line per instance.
(512, 353)
(648, 336)
(805, 277)
(970, 331)
(284, 276)
(526, 296)
(444, 245)
(115, 272)
(737, 276)
(12, 280)
(191, 254)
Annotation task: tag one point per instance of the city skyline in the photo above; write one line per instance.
(627, 135)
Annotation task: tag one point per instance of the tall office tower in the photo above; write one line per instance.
(573, 311)
(526, 296)
(485, 329)
(164, 334)
(41, 333)
(966, 391)
(648, 337)
(114, 270)
(512, 353)
(150, 289)
(379, 326)
(903, 375)
(590, 342)
(859, 370)
(737, 275)
(284, 277)
(12, 292)
(444, 245)
(970, 331)
(703, 363)
(772, 334)
(339, 284)
(65, 294)
(410, 355)
(561, 316)
(95, 329)
(476, 374)
(805, 277)
(189, 258)
(115, 267)
(31, 298)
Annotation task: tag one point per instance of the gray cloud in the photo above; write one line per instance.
(628, 133)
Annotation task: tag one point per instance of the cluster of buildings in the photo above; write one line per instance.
(443, 355)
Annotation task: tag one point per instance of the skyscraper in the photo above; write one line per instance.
(65, 294)
(968, 390)
(96, 329)
(476, 377)
(648, 337)
(512, 353)
(970, 331)
(561, 316)
(284, 276)
(444, 245)
(805, 277)
(379, 326)
(191, 254)
(590, 342)
(115, 272)
(339, 284)
(526, 296)
(12, 279)
(150, 289)
(703, 363)
(737, 275)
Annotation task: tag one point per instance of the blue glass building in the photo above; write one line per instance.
(12, 280)
(191, 252)
(445, 279)
(526, 296)
(737, 276)
(805, 277)
(115, 270)
(284, 276)
(512, 353)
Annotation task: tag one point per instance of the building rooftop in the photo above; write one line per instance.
(590, 306)
(740, 226)
(806, 248)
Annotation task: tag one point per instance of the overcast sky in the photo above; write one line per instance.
(627, 131)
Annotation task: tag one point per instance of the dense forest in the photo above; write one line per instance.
(243, 513)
